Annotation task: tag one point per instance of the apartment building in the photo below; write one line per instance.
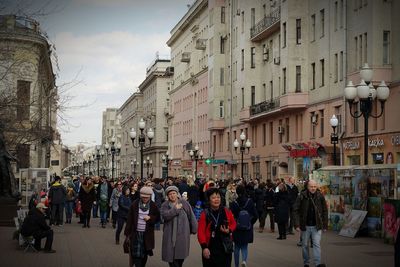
(28, 95)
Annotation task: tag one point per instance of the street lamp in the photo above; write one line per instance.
(166, 159)
(115, 149)
(366, 94)
(148, 164)
(334, 136)
(196, 155)
(141, 141)
(98, 155)
(134, 165)
(243, 145)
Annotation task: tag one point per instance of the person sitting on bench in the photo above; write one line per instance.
(35, 225)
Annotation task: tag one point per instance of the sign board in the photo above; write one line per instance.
(32, 180)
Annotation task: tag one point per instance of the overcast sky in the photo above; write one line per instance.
(106, 45)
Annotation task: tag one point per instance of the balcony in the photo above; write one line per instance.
(201, 44)
(185, 57)
(244, 114)
(265, 27)
(216, 124)
(286, 103)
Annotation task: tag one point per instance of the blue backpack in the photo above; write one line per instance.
(243, 221)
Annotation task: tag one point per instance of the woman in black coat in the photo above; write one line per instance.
(87, 195)
(242, 237)
(282, 206)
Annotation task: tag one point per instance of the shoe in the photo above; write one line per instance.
(49, 251)
(88, 226)
(244, 264)
(279, 238)
(299, 244)
(306, 265)
(261, 230)
(117, 242)
(283, 237)
(103, 225)
(84, 226)
(290, 233)
(321, 265)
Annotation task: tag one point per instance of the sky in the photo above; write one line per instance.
(103, 48)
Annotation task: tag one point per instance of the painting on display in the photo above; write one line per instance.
(391, 219)
(336, 221)
(374, 207)
(352, 223)
(336, 204)
(360, 193)
(374, 226)
(380, 183)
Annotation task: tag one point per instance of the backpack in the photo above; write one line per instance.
(243, 221)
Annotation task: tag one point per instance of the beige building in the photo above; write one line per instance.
(28, 95)
(276, 71)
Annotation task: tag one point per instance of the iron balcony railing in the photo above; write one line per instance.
(266, 22)
(265, 106)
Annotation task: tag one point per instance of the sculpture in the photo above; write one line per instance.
(8, 184)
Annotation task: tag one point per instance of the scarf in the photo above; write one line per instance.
(144, 206)
(87, 188)
(174, 225)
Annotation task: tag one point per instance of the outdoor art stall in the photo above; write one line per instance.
(362, 199)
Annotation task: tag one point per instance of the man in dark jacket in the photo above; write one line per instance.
(35, 225)
(293, 193)
(311, 217)
(57, 198)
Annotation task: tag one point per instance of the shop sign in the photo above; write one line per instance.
(351, 145)
(396, 140)
(176, 162)
(375, 142)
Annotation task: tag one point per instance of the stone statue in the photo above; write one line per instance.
(8, 184)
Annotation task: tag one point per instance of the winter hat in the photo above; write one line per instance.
(146, 191)
(171, 188)
(198, 203)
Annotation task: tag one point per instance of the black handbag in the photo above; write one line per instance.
(228, 244)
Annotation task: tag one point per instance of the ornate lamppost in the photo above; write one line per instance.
(149, 165)
(166, 159)
(334, 136)
(366, 94)
(141, 141)
(195, 155)
(98, 156)
(114, 149)
(243, 145)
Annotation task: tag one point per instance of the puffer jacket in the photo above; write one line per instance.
(302, 205)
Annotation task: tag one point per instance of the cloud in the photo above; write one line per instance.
(112, 66)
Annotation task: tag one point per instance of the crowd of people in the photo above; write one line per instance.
(222, 214)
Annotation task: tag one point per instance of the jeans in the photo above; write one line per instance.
(57, 213)
(291, 216)
(103, 217)
(244, 250)
(270, 212)
(316, 239)
(95, 210)
(262, 216)
(68, 209)
(120, 224)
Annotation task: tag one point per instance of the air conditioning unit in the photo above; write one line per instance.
(169, 71)
(277, 60)
(281, 129)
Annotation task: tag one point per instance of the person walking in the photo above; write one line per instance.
(293, 192)
(311, 218)
(139, 229)
(57, 197)
(214, 232)
(116, 193)
(124, 203)
(69, 203)
(102, 200)
(179, 224)
(245, 214)
(269, 204)
(231, 194)
(281, 204)
(87, 196)
(260, 205)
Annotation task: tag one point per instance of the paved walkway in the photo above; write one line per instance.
(95, 247)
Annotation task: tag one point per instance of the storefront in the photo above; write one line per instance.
(382, 149)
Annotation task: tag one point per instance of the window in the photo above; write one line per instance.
(271, 48)
(284, 34)
(386, 47)
(322, 64)
(256, 170)
(222, 14)
(356, 52)
(341, 13)
(242, 97)
(287, 133)
(253, 95)
(313, 27)
(221, 109)
(265, 53)
(313, 75)
(280, 134)
(221, 76)
(211, 46)
(322, 15)
(341, 66)
(228, 137)
(335, 18)
(365, 47)
(222, 45)
(214, 143)
(252, 59)
(264, 130)
(211, 17)
(242, 22)
(271, 132)
(242, 63)
(253, 17)
(284, 80)
(264, 92)
(298, 31)
(321, 123)
(298, 79)
(313, 123)
(271, 86)
(23, 100)
(360, 43)
(336, 68)
(338, 114)
(23, 156)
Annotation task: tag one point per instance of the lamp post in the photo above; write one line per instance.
(114, 149)
(134, 165)
(366, 94)
(148, 164)
(334, 136)
(196, 155)
(141, 141)
(98, 155)
(242, 145)
(166, 159)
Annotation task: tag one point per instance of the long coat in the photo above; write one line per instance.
(243, 237)
(131, 225)
(282, 206)
(187, 224)
(87, 195)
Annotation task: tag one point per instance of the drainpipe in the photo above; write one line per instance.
(231, 85)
